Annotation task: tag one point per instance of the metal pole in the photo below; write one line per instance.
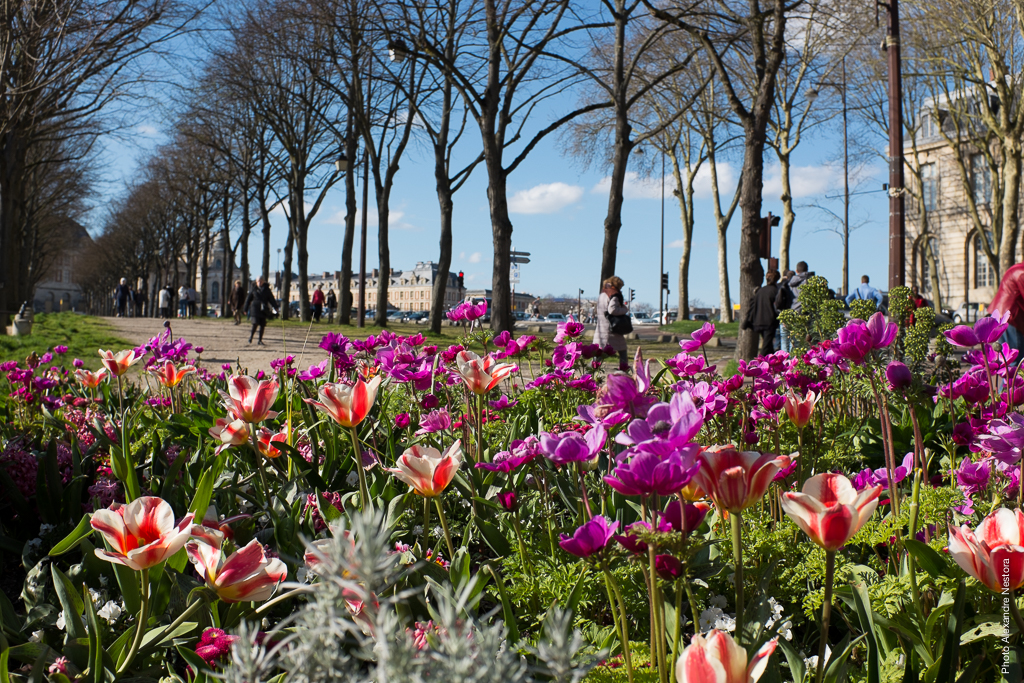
(661, 262)
(846, 195)
(897, 221)
(362, 243)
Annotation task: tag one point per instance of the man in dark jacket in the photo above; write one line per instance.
(784, 300)
(260, 304)
(762, 317)
(797, 281)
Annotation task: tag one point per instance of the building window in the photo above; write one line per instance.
(216, 290)
(929, 187)
(981, 179)
(928, 129)
(984, 275)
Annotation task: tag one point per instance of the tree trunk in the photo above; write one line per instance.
(345, 286)
(444, 259)
(685, 197)
(286, 277)
(204, 268)
(1011, 150)
(244, 240)
(301, 229)
(501, 235)
(788, 216)
(384, 258)
(751, 272)
(11, 216)
(613, 221)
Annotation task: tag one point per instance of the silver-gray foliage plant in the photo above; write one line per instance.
(323, 642)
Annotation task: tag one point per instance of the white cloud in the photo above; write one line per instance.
(547, 198)
(727, 178)
(147, 131)
(804, 181)
(676, 244)
(395, 219)
(635, 187)
(474, 257)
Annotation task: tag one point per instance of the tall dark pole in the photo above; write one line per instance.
(897, 221)
(846, 195)
(661, 262)
(362, 242)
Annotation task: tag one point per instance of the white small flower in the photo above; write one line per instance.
(352, 479)
(719, 601)
(726, 623)
(708, 618)
(60, 620)
(35, 543)
(812, 662)
(786, 630)
(36, 637)
(303, 575)
(417, 530)
(110, 612)
(437, 532)
(45, 529)
(104, 581)
(95, 595)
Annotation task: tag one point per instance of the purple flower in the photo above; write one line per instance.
(898, 376)
(985, 331)
(698, 338)
(509, 500)
(858, 339)
(963, 435)
(434, 421)
(668, 567)
(502, 403)
(570, 328)
(630, 541)
(402, 420)
(864, 479)
(334, 343)
(199, 350)
(648, 473)
(520, 452)
(973, 477)
(78, 363)
(591, 538)
(685, 365)
(674, 423)
(621, 394)
(314, 372)
(685, 518)
(429, 402)
(773, 402)
(1005, 438)
(60, 349)
(900, 473)
(569, 447)
(46, 357)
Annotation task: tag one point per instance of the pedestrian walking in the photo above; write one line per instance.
(122, 293)
(163, 301)
(183, 302)
(140, 302)
(762, 317)
(797, 281)
(193, 300)
(260, 304)
(318, 302)
(611, 307)
(784, 299)
(865, 291)
(237, 301)
(332, 304)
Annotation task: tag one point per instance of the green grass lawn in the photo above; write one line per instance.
(685, 327)
(82, 334)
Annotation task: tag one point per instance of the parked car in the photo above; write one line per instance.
(555, 318)
(643, 319)
(699, 316)
(414, 317)
(669, 316)
(968, 313)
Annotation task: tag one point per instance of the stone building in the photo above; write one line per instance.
(953, 242)
(59, 289)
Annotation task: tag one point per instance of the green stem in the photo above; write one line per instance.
(426, 524)
(357, 454)
(524, 553)
(826, 612)
(624, 626)
(736, 519)
(444, 525)
(677, 630)
(911, 565)
(140, 625)
(693, 604)
(658, 653)
(196, 604)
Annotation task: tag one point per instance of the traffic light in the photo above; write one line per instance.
(631, 295)
(664, 281)
(462, 280)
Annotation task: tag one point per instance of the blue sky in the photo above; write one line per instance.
(558, 212)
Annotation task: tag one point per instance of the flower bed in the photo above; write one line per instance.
(399, 511)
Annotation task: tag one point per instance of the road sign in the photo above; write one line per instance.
(519, 253)
(520, 259)
(513, 273)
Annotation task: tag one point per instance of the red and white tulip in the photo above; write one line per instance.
(481, 374)
(266, 440)
(169, 375)
(800, 410)
(118, 363)
(250, 400)
(717, 658)
(90, 380)
(994, 552)
(347, 404)
(247, 575)
(734, 479)
(427, 470)
(142, 534)
(230, 432)
(830, 510)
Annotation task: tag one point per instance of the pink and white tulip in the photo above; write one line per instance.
(90, 380)
(250, 400)
(118, 363)
(169, 375)
(799, 410)
(427, 470)
(230, 433)
(717, 658)
(481, 374)
(247, 575)
(830, 510)
(734, 479)
(994, 552)
(347, 404)
(142, 534)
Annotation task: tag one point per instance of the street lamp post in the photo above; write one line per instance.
(579, 305)
(661, 262)
(897, 219)
(361, 322)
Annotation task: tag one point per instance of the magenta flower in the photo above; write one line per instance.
(509, 500)
(668, 567)
(1005, 438)
(60, 349)
(314, 372)
(698, 338)
(685, 365)
(569, 447)
(402, 420)
(675, 423)
(589, 539)
(621, 394)
(214, 644)
(985, 331)
(502, 403)
(519, 453)
(569, 329)
(631, 541)
(773, 403)
(683, 517)
(434, 421)
(973, 477)
(898, 376)
(647, 473)
(963, 434)
(858, 339)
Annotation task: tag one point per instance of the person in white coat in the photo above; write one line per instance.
(611, 303)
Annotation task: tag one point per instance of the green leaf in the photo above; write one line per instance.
(128, 580)
(835, 672)
(863, 602)
(1011, 666)
(459, 569)
(508, 609)
(204, 491)
(951, 647)
(70, 541)
(971, 672)
(989, 628)
(152, 635)
(96, 674)
(928, 559)
(70, 601)
(195, 661)
(576, 593)
(494, 538)
(795, 661)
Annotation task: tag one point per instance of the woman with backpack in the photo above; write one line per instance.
(613, 319)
